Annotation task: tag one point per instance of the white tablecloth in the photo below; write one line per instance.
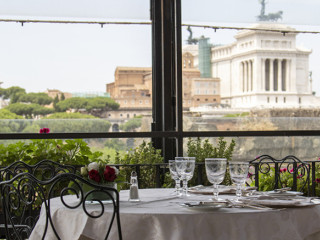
(158, 216)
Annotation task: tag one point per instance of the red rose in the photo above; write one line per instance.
(44, 130)
(94, 175)
(109, 174)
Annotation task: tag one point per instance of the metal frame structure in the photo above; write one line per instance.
(167, 131)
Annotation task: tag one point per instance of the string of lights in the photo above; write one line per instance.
(102, 23)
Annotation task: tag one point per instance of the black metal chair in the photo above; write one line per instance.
(290, 165)
(25, 192)
(43, 170)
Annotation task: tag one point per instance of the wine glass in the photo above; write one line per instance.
(185, 168)
(175, 176)
(215, 170)
(238, 174)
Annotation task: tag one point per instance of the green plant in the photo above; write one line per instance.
(204, 149)
(75, 152)
(267, 179)
(145, 153)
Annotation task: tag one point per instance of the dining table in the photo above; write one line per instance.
(163, 215)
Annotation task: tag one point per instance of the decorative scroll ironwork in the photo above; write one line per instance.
(43, 170)
(25, 192)
(299, 170)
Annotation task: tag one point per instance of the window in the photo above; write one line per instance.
(256, 77)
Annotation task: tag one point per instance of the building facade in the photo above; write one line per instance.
(132, 87)
(263, 69)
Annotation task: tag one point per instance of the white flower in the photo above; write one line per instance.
(84, 171)
(94, 166)
(116, 170)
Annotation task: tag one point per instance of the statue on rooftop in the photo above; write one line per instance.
(273, 17)
(191, 40)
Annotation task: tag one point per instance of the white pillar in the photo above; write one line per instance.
(279, 75)
(245, 75)
(288, 88)
(241, 77)
(271, 75)
(263, 75)
(249, 75)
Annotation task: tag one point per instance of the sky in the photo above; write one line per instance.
(83, 57)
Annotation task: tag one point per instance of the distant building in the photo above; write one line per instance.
(91, 94)
(132, 87)
(263, 69)
(55, 92)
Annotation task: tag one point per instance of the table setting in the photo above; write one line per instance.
(199, 212)
(243, 196)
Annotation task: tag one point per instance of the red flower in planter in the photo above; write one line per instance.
(44, 130)
(94, 175)
(109, 174)
(283, 170)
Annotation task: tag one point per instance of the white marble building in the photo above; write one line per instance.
(263, 69)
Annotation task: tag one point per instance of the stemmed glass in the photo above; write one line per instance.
(185, 168)
(238, 174)
(175, 176)
(215, 170)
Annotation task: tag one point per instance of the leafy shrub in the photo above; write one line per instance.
(204, 149)
(267, 179)
(75, 152)
(145, 153)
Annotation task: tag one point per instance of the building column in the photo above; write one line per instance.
(271, 74)
(241, 77)
(279, 75)
(284, 75)
(288, 87)
(249, 75)
(263, 75)
(245, 79)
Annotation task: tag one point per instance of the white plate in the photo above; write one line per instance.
(282, 203)
(205, 206)
(282, 194)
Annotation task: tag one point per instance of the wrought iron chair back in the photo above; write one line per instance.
(24, 192)
(287, 166)
(43, 170)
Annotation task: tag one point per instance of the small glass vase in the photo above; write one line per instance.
(99, 195)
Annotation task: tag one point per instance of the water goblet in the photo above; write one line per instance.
(174, 175)
(215, 170)
(185, 168)
(238, 174)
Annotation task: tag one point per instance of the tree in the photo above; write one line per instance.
(10, 122)
(89, 104)
(12, 93)
(131, 124)
(63, 115)
(6, 114)
(72, 103)
(28, 110)
(75, 122)
(38, 98)
(62, 97)
(55, 101)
